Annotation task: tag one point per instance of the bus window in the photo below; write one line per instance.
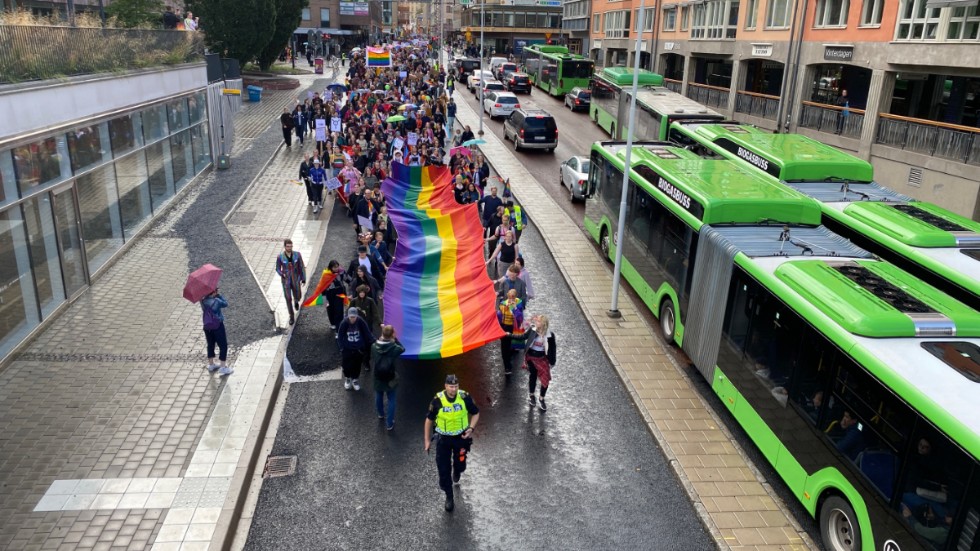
(933, 483)
(611, 186)
(967, 535)
(597, 166)
(676, 248)
(550, 73)
(811, 377)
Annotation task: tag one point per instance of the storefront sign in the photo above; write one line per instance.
(762, 50)
(670, 46)
(838, 53)
(354, 8)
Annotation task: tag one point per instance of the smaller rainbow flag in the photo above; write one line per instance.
(378, 57)
(326, 278)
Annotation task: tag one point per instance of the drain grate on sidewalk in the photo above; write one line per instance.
(279, 465)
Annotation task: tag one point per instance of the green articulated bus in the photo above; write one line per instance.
(554, 70)
(857, 381)
(938, 246)
(656, 106)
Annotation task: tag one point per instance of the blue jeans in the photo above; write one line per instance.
(379, 405)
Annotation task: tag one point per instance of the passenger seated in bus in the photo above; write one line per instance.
(927, 522)
(925, 483)
(847, 435)
(811, 404)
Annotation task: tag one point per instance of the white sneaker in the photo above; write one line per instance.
(357, 384)
(212, 367)
(346, 383)
(224, 371)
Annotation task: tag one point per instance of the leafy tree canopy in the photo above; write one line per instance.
(136, 13)
(289, 13)
(238, 29)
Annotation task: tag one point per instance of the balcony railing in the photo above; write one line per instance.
(30, 52)
(757, 105)
(938, 139)
(705, 94)
(831, 118)
(673, 85)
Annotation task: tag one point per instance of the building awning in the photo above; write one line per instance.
(950, 3)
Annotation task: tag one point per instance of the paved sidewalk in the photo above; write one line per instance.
(115, 437)
(734, 503)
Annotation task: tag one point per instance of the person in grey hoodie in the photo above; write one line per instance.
(384, 357)
(354, 339)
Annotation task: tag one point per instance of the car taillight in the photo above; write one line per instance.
(581, 183)
(578, 102)
(496, 105)
(517, 106)
(556, 133)
(522, 132)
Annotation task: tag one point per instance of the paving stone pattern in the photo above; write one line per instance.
(114, 388)
(734, 503)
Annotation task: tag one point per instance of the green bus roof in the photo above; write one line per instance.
(623, 76)
(914, 223)
(713, 191)
(789, 157)
(547, 49)
(878, 299)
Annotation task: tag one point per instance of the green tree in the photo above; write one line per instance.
(237, 29)
(289, 13)
(136, 13)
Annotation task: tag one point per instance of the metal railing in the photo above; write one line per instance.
(832, 119)
(673, 85)
(705, 94)
(757, 105)
(949, 141)
(30, 52)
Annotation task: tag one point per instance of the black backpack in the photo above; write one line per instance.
(384, 369)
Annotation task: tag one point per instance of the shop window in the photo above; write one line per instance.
(39, 163)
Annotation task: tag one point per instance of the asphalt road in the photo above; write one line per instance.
(576, 134)
(585, 475)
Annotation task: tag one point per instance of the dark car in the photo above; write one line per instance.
(518, 82)
(466, 66)
(531, 129)
(505, 68)
(578, 99)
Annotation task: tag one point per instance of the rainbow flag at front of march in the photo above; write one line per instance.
(437, 293)
(378, 57)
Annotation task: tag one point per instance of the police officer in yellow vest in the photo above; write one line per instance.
(517, 216)
(454, 415)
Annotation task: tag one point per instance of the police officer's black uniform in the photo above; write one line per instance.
(454, 419)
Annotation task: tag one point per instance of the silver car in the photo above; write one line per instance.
(574, 174)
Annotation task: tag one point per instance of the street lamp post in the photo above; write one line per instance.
(621, 227)
(483, 21)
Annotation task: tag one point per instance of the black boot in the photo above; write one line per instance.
(450, 504)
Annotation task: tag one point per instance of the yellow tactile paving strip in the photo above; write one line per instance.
(733, 501)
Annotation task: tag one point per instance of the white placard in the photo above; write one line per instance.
(402, 74)
(398, 144)
(334, 183)
(335, 124)
(413, 138)
(320, 130)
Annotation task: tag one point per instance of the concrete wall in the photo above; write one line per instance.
(949, 184)
(33, 107)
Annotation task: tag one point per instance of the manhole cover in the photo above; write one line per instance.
(279, 465)
(241, 218)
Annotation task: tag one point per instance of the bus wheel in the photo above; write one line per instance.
(604, 244)
(668, 320)
(839, 525)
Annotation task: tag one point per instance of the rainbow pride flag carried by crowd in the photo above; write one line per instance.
(378, 57)
(437, 293)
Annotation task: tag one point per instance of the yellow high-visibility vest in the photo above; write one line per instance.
(453, 418)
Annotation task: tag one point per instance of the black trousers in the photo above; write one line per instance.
(507, 349)
(287, 135)
(451, 456)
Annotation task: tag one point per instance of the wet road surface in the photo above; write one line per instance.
(585, 475)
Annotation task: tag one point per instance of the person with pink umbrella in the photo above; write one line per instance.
(202, 286)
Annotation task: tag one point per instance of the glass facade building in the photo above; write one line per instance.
(69, 199)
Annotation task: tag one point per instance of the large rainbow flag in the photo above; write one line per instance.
(378, 57)
(437, 293)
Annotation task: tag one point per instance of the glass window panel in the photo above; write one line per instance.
(8, 188)
(509, 19)
(39, 221)
(125, 134)
(519, 20)
(197, 107)
(99, 206)
(202, 147)
(70, 242)
(542, 20)
(183, 163)
(161, 173)
(37, 164)
(154, 123)
(134, 192)
(18, 306)
(87, 146)
(177, 111)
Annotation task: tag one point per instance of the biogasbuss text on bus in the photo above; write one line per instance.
(554, 70)
(856, 380)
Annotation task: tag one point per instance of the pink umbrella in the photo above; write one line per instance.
(461, 149)
(202, 282)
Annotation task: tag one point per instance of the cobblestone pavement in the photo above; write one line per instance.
(736, 505)
(111, 436)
